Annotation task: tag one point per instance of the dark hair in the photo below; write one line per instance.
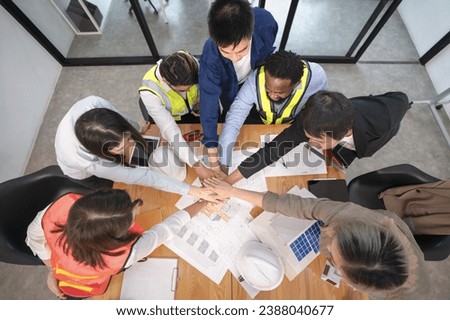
(180, 69)
(329, 113)
(98, 224)
(372, 256)
(285, 65)
(230, 21)
(100, 129)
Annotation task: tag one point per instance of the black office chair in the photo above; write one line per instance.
(364, 190)
(20, 200)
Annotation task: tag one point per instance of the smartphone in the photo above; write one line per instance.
(331, 275)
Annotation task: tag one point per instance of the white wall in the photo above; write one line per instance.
(103, 6)
(28, 76)
(49, 21)
(427, 22)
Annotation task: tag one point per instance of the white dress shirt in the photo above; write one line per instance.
(243, 67)
(348, 142)
(78, 163)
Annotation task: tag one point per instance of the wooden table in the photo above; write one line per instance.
(192, 284)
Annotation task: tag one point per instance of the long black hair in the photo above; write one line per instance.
(97, 225)
(101, 129)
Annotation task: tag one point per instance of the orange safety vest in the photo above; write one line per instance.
(78, 279)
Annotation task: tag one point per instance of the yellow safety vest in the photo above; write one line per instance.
(171, 99)
(287, 112)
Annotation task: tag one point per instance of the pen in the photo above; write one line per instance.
(283, 163)
(321, 156)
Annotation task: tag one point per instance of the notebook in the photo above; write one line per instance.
(152, 279)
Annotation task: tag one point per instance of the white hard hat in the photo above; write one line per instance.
(165, 161)
(260, 266)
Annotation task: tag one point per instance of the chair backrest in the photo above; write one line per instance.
(364, 190)
(20, 200)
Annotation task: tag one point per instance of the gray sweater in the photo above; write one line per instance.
(331, 213)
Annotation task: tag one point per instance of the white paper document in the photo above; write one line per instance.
(195, 243)
(153, 279)
(298, 161)
(210, 243)
(256, 182)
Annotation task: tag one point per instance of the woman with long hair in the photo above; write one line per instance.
(92, 143)
(85, 240)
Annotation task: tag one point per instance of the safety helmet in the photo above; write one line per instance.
(259, 265)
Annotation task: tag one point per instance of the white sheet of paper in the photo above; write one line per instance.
(298, 161)
(153, 279)
(211, 244)
(256, 182)
(304, 193)
(195, 244)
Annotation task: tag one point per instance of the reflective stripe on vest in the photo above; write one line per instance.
(172, 100)
(77, 279)
(287, 112)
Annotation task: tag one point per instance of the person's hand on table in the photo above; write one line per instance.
(221, 188)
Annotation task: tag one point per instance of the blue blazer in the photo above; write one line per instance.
(217, 77)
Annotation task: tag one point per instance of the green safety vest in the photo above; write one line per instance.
(287, 112)
(171, 99)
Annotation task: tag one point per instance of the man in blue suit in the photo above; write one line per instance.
(241, 38)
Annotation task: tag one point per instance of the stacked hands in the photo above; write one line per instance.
(216, 192)
(221, 188)
(205, 173)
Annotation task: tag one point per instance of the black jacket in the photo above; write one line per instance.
(377, 120)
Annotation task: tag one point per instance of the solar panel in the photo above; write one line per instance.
(306, 242)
